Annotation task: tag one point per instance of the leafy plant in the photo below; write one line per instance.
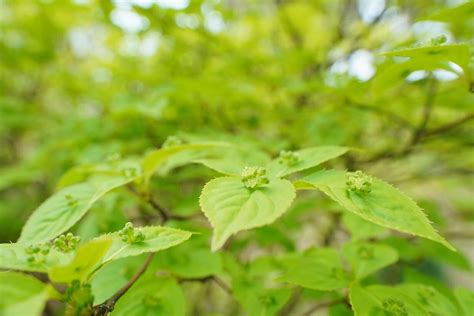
(246, 166)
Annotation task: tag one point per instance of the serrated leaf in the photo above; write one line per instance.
(406, 299)
(366, 258)
(308, 158)
(88, 257)
(360, 228)
(62, 210)
(14, 257)
(160, 157)
(231, 160)
(21, 294)
(318, 269)
(156, 238)
(384, 205)
(231, 207)
(152, 296)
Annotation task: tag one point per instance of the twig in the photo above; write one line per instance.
(213, 278)
(446, 127)
(292, 303)
(321, 306)
(108, 306)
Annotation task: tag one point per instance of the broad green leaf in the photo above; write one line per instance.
(21, 294)
(317, 269)
(465, 299)
(462, 12)
(384, 205)
(259, 301)
(62, 210)
(232, 160)
(407, 299)
(14, 257)
(160, 157)
(308, 158)
(231, 207)
(88, 257)
(156, 238)
(190, 260)
(111, 277)
(366, 258)
(360, 228)
(457, 53)
(152, 296)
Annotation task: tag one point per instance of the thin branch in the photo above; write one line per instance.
(219, 282)
(321, 306)
(292, 303)
(108, 306)
(451, 125)
(427, 110)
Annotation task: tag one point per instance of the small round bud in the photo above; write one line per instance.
(438, 40)
(130, 234)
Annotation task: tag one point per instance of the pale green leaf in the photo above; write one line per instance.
(13, 256)
(152, 296)
(62, 210)
(160, 157)
(360, 228)
(231, 207)
(465, 299)
(384, 205)
(156, 238)
(259, 301)
(317, 269)
(308, 158)
(88, 257)
(232, 160)
(366, 258)
(21, 294)
(407, 299)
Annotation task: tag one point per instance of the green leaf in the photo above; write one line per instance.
(21, 294)
(62, 210)
(152, 296)
(231, 160)
(160, 157)
(192, 259)
(259, 301)
(384, 205)
(360, 228)
(407, 299)
(457, 53)
(317, 269)
(231, 207)
(14, 257)
(366, 258)
(308, 158)
(156, 238)
(88, 257)
(465, 299)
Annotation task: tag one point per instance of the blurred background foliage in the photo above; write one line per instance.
(86, 80)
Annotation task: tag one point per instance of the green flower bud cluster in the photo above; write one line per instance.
(66, 243)
(289, 158)
(37, 253)
(79, 298)
(131, 235)
(254, 177)
(394, 307)
(172, 141)
(359, 182)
